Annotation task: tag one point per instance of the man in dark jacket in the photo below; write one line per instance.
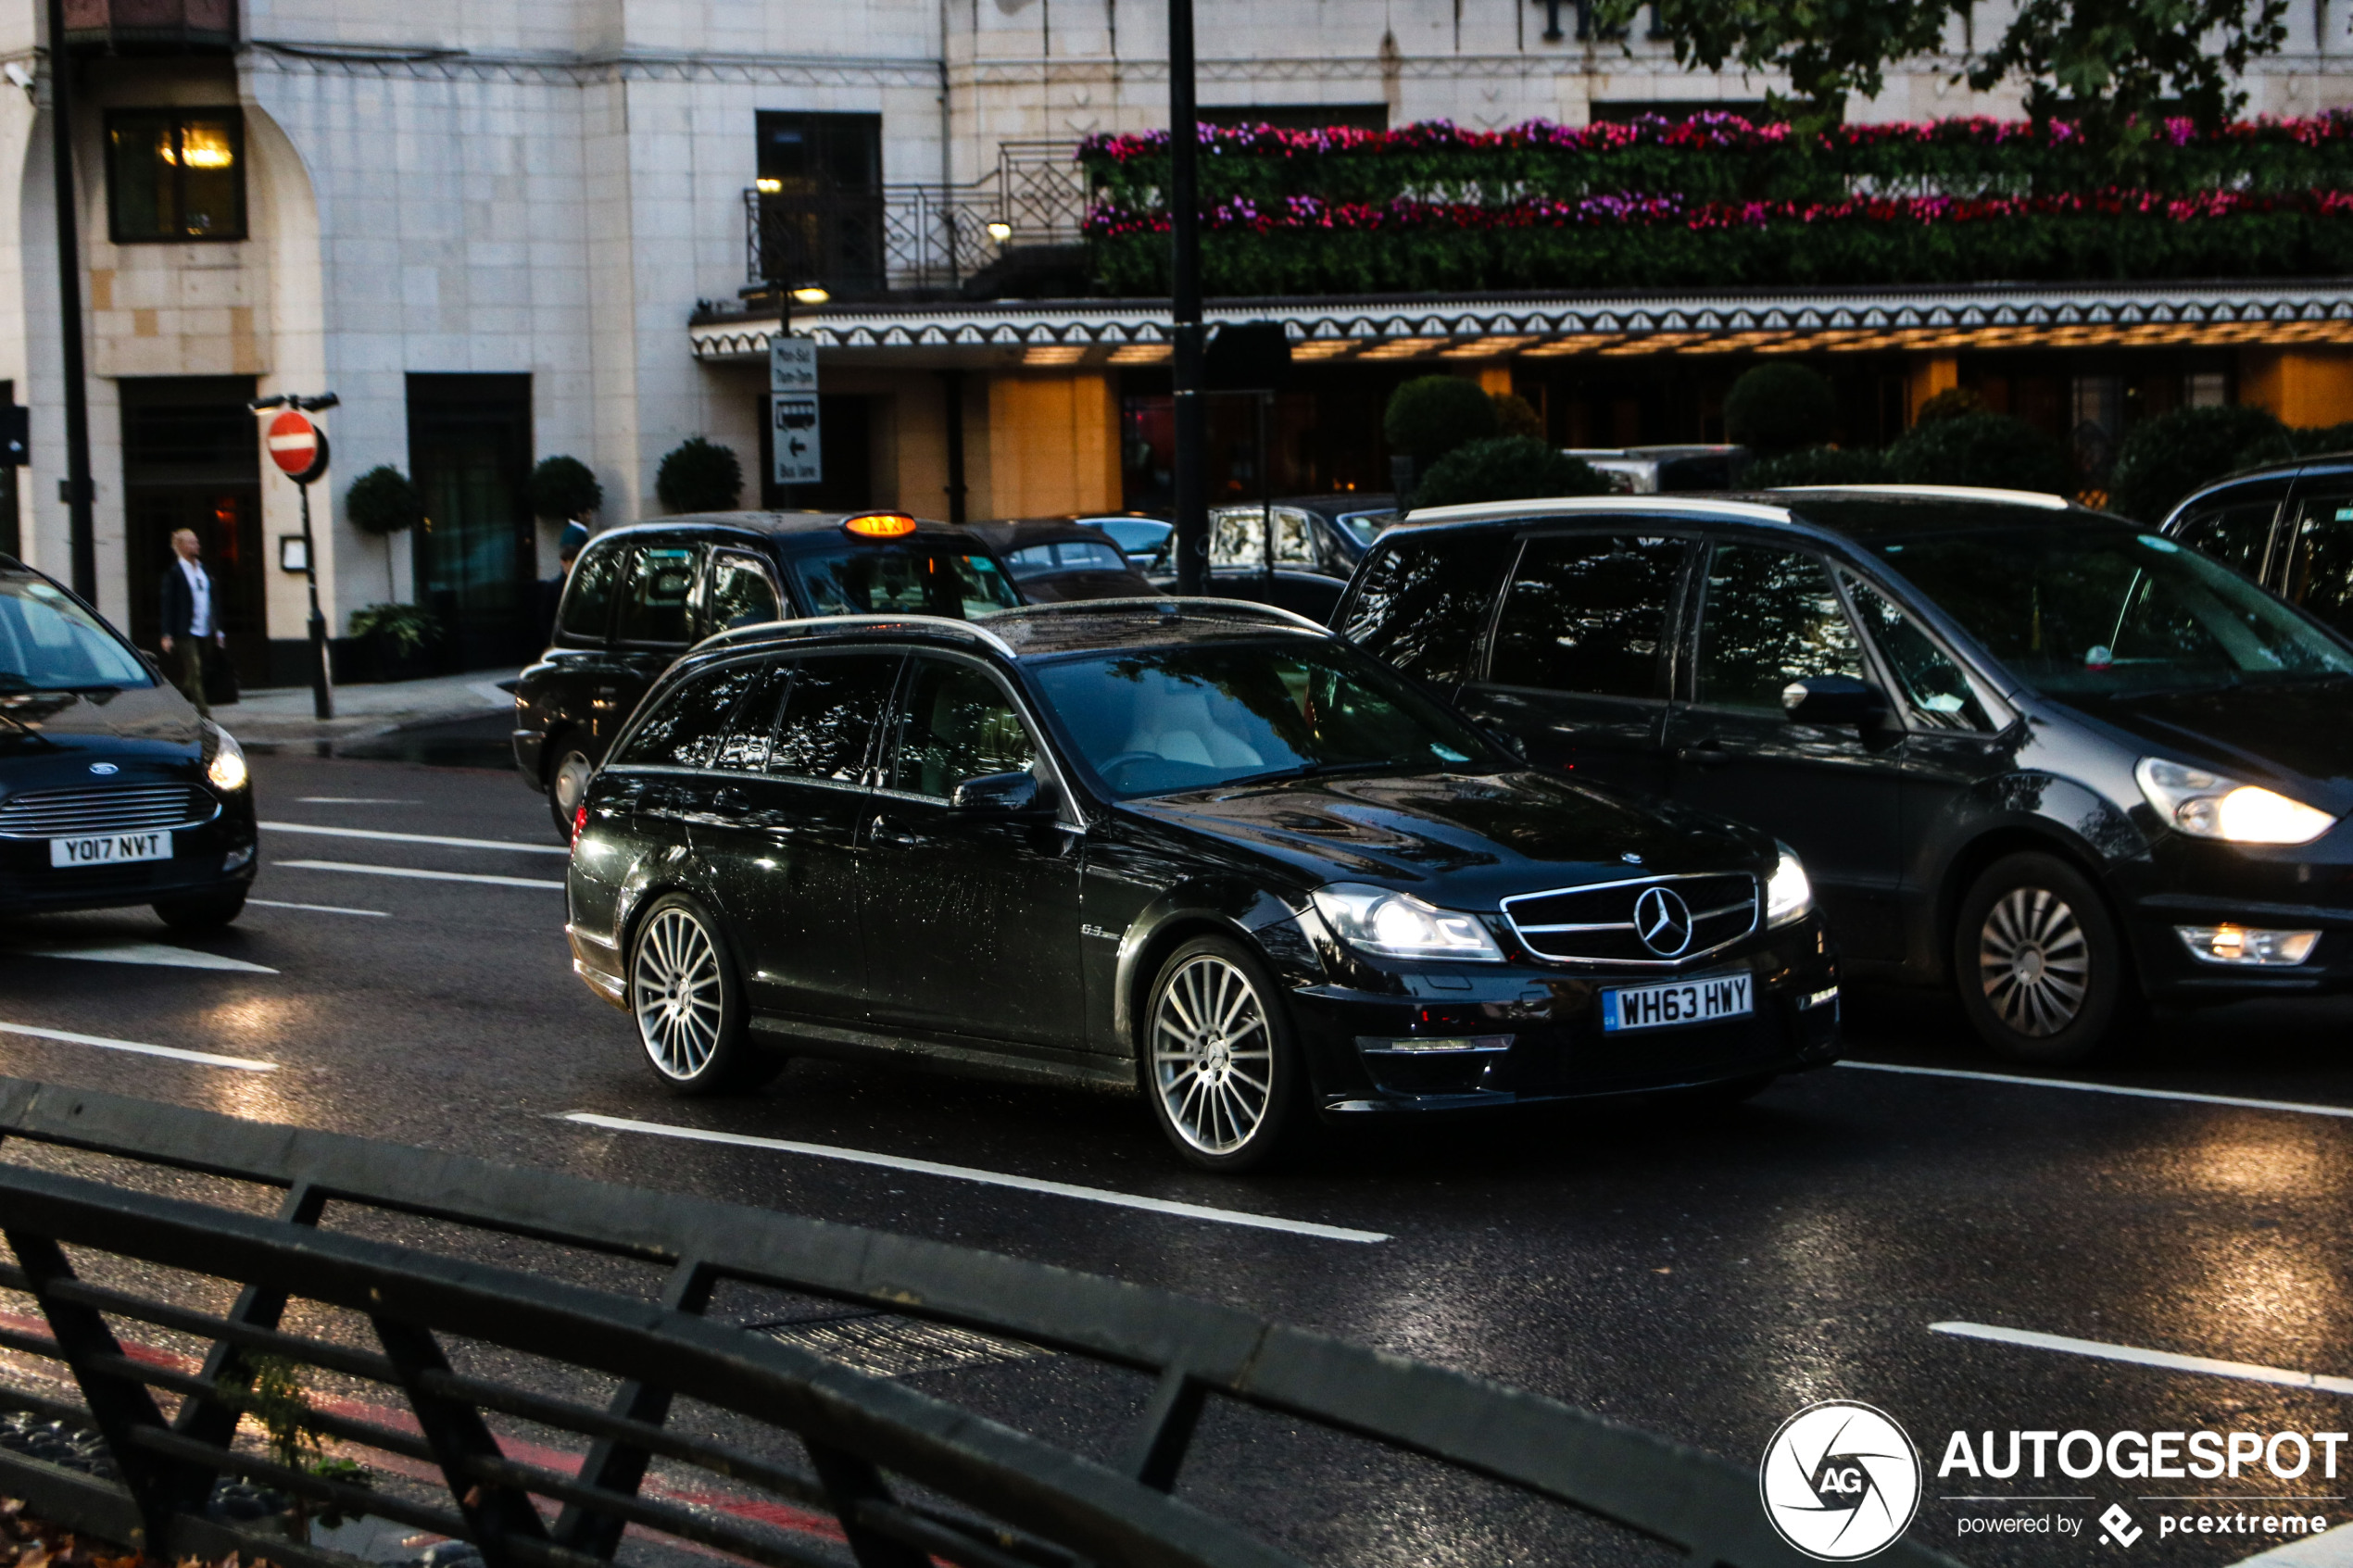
(191, 618)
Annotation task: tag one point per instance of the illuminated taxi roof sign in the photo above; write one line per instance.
(879, 525)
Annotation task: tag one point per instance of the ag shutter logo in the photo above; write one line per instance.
(1840, 1481)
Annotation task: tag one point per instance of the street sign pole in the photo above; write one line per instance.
(299, 448)
(322, 691)
(1184, 276)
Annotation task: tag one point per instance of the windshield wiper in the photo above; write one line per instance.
(1318, 771)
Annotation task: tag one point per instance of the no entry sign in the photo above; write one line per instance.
(297, 446)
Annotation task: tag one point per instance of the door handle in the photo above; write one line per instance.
(881, 833)
(1709, 753)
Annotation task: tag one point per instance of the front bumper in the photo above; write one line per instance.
(2195, 882)
(1554, 1046)
(200, 864)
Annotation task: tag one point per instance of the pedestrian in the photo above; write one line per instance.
(190, 619)
(551, 589)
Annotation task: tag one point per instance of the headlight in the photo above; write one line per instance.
(1398, 925)
(1789, 895)
(227, 768)
(2208, 805)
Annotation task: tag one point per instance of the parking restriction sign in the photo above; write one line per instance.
(797, 459)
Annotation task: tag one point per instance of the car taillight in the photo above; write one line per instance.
(579, 820)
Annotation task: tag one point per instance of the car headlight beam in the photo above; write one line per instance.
(2210, 805)
(1789, 895)
(1398, 925)
(226, 770)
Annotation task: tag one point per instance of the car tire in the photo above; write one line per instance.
(1220, 1068)
(2038, 963)
(686, 1003)
(207, 912)
(567, 778)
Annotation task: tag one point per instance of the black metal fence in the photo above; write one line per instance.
(534, 1415)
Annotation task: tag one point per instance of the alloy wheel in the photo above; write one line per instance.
(2034, 962)
(1213, 1055)
(676, 992)
(571, 781)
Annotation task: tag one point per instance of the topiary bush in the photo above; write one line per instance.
(1506, 467)
(1779, 407)
(1818, 465)
(1516, 415)
(564, 488)
(1993, 450)
(2173, 453)
(384, 502)
(1431, 415)
(2321, 440)
(699, 476)
(1950, 404)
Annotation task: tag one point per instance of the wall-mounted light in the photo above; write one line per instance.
(811, 294)
(1001, 232)
(293, 553)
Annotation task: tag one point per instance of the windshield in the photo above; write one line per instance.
(1161, 720)
(1365, 527)
(49, 643)
(1063, 555)
(1135, 535)
(2101, 611)
(888, 580)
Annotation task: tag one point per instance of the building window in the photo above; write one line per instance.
(820, 199)
(175, 174)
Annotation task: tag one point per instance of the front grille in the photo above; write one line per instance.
(68, 814)
(1598, 925)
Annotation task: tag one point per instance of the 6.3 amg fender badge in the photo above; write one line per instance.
(1840, 1481)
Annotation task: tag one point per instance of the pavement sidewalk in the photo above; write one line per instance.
(282, 713)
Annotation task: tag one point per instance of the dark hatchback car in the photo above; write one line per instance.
(2289, 527)
(1198, 849)
(2044, 754)
(640, 596)
(1053, 560)
(113, 792)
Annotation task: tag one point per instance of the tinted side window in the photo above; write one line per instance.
(653, 603)
(588, 597)
(1939, 694)
(742, 594)
(1588, 613)
(2237, 536)
(829, 715)
(752, 731)
(2320, 567)
(957, 725)
(1769, 617)
(1423, 604)
(685, 730)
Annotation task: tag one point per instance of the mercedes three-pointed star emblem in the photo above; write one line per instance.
(1663, 921)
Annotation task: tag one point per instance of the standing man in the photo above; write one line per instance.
(188, 618)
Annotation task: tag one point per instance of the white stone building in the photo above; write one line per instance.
(488, 228)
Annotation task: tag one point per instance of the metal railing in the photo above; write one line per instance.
(916, 237)
(394, 1272)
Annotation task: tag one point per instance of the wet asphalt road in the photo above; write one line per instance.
(1701, 1274)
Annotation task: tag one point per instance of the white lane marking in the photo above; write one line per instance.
(319, 908)
(354, 800)
(2330, 1548)
(202, 1059)
(403, 870)
(2296, 1106)
(2172, 1361)
(509, 844)
(130, 949)
(992, 1178)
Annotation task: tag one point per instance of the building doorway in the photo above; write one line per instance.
(476, 555)
(192, 459)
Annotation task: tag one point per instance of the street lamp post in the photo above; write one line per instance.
(1184, 276)
(81, 531)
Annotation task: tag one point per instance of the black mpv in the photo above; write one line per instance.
(2051, 757)
(113, 792)
(1199, 848)
(639, 597)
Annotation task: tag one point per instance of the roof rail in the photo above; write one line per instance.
(871, 623)
(1243, 606)
(2042, 498)
(1596, 505)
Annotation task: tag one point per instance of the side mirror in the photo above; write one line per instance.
(1831, 701)
(1000, 794)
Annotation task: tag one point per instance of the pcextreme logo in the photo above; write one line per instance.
(1840, 1481)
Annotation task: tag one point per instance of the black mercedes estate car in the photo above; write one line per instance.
(112, 791)
(2047, 755)
(640, 596)
(2289, 526)
(1200, 848)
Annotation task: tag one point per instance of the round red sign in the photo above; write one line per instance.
(297, 446)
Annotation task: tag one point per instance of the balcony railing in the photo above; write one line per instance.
(913, 237)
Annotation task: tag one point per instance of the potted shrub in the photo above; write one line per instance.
(399, 641)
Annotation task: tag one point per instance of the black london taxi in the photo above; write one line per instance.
(2051, 758)
(641, 596)
(114, 792)
(2289, 526)
(1054, 558)
(1198, 849)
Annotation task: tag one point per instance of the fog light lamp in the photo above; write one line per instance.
(1424, 1045)
(237, 857)
(2239, 944)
